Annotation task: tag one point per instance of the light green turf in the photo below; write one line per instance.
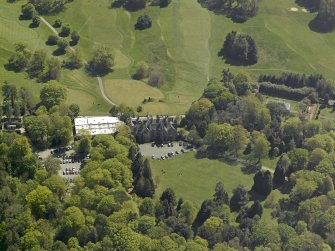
(130, 92)
(183, 42)
(194, 179)
(270, 163)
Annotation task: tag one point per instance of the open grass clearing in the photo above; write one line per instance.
(194, 179)
(295, 105)
(130, 92)
(270, 163)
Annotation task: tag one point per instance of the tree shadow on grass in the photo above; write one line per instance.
(73, 43)
(10, 67)
(251, 168)
(318, 26)
(308, 5)
(285, 188)
(117, 4)
(93, 73)
(58, 52)
(33, 26)
(230, 61)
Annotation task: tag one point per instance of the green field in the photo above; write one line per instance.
(182, 43)
(194, 179)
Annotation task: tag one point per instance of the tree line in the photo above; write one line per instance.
(239, 11)
(323, 87)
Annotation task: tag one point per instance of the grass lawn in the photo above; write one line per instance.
(295, 105)
(131, 92)
(182, 43)
(270, 163)
(194, 179)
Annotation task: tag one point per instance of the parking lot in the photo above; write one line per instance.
(69, 165)
(158, 151)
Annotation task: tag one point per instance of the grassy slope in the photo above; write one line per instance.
(284, 40)
(170, 45)
(198, 178)
(183, 42)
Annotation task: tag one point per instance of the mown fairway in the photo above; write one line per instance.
(194, 179)
(183, 43)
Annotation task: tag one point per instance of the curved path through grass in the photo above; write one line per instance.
(101, 87)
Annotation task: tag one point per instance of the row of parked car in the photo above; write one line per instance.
(65, 159)
(59, 151)
(70, 171)
(162, 145)
(168, 155)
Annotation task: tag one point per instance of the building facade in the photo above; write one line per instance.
(160, 129)
(97, 125)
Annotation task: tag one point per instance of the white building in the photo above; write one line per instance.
(97, 125)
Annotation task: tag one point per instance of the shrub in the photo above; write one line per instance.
(143, 22)
(35, 22)
(65, 31)
(57, 23)
(28, 11)
(156, 78)
(52, 40)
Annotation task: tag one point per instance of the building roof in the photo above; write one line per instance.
(97, 125)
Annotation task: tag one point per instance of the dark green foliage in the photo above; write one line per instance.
(284, 91)
(203, 214)
(74, 111)
(220, 195)
(164, 3)
(281, 170)
(50, 6)
(239, 199)
(57, 23)
(134, 5)
(299, 85)
(73, 59)
(28, 11)
(35, 22)
(255, 209)
(169, 196)
(62, 44)
(239, 49)
(102, 61)
(144, 184)
(143, 22)
(74, 38)
(262, 183)
(325, 20)
(245, 10)
(52, 40)
(65, 30)
(125, 113)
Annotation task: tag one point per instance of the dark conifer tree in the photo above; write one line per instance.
(220, 196)
(239, 199)
(255, 209)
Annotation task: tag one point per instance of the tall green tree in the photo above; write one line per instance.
(52, 94)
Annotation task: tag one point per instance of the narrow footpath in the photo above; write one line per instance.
(101, 86)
